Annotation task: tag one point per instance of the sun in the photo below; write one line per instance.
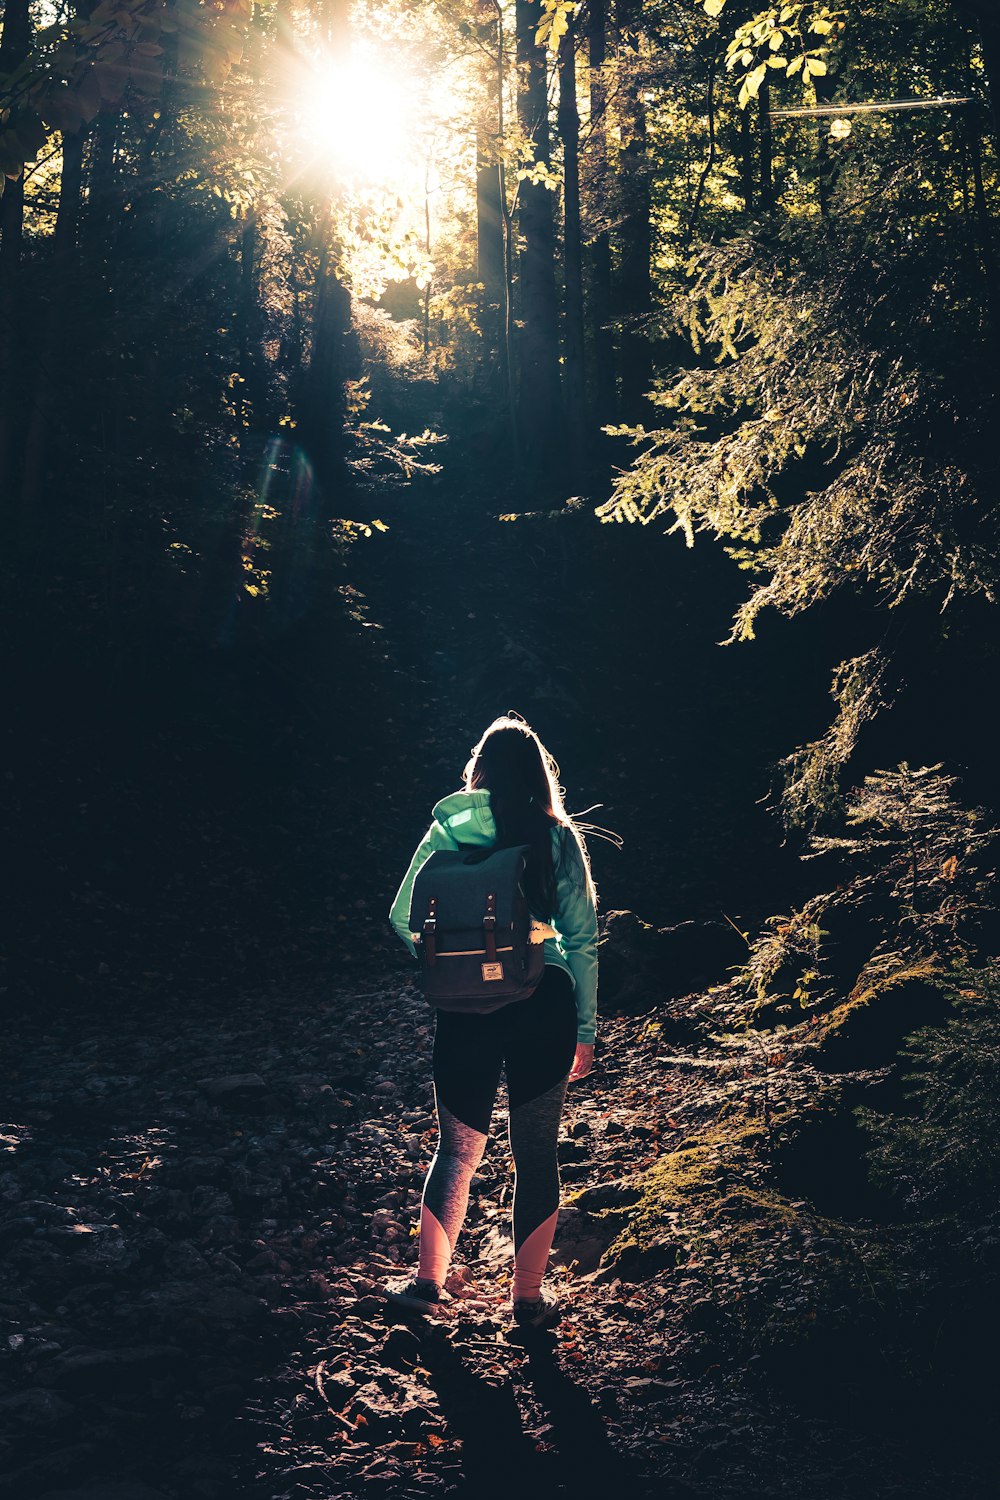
(358, 115)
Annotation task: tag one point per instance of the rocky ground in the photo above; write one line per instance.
(197, 1207)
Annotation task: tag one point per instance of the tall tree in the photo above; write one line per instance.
(574, 386)
(635, 286)
(766, 147)
(330, 364)
(986, 15)
(539, 410)
(601, 334)
(491, 205)
(15, 43)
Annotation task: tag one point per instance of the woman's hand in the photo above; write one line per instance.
(583, 1061)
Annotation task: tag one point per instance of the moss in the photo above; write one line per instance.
(772, 1267)
(699, 1173)
(870, 987)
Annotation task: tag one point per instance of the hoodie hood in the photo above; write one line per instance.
(467, 816)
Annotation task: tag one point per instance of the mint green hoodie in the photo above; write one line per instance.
(467, 818)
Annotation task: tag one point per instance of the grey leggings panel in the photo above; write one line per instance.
(446, 1189)
(533, 1131)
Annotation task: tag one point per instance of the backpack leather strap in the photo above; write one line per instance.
(489, 927)
(430, 924)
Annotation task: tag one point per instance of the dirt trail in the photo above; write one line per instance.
(197, 1211)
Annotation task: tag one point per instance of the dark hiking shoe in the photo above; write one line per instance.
(417, 1295)
(544, 1312)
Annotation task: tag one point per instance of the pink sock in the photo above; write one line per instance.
(532, 1258)
(435, 1250)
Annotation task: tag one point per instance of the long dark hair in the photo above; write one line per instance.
(527, 802)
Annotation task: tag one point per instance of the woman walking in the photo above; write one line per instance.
(511, 795)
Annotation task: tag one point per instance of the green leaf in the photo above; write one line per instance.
(755, 78)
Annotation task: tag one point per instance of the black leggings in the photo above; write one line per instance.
(534, 1042)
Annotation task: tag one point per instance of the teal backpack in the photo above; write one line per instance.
(471, 926)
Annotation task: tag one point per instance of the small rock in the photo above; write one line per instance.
(36, 1407)
(233, 1084)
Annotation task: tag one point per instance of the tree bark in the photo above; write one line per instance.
(574, 378)
(706, 170)
(539, 414)
(103, 216)
(47, 387)
(989, 36)
(766, 149)
(985, 16)
(489, 221)
(602, 335)
(15, 43)
(491, 262)
(825, 86)
(70, 193)
(254, 382)
(635, 290)
(490, 265)
(324, 414)
(747, 160)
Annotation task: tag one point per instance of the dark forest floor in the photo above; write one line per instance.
(197, 1207)
(216, 1073)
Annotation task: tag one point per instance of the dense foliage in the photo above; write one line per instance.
(943, 1151)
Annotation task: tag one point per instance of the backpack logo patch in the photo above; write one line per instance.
(492, 971)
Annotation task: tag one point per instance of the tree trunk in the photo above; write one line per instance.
(539, 415)
(70, 193)
(574, 379)
(489, 220)
(635, 290)
(747, 159)
(324, 413)
(51, 376)
(989, 36)
(706, 170)
(15, 43)
(254, 381)
(490, 264)
(602, 336)
(103, 216)
(825, 86)
(766, 151)
(984, 15)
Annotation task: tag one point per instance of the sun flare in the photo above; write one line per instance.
(358, 114)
